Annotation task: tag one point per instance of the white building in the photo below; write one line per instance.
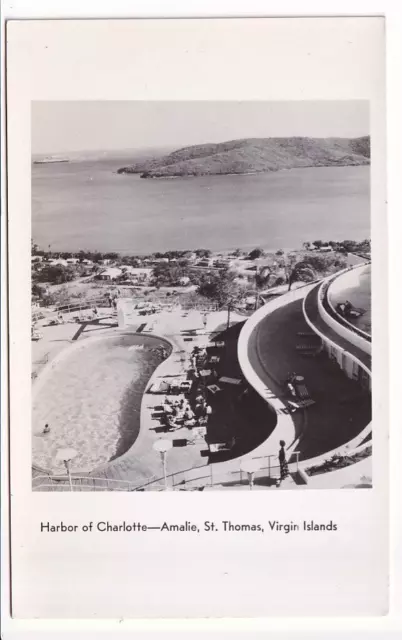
(110, 274)
(58, 261)
(139, 274)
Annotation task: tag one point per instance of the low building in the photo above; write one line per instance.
(223, 263)
(58, 261)
(138, 274)
(110, 274)
(205, 262)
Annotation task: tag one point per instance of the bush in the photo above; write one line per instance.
(55, 274)
(255, 253)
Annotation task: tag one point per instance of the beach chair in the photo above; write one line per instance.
(213, 388)
(175, 387)
(205, 373)
(230, 380)
(306, 347)
(217, 447)
(302, 391)
(309, 354)
(302, 404)
(199, 433)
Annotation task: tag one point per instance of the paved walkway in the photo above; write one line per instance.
(355, 476)
(57, 337)
(141, 464)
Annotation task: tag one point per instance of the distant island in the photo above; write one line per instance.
(255, 155)
(50, 160)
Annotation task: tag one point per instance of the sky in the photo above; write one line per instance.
(62, 127)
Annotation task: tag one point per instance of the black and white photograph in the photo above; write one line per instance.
(197, 255)
(201, 295)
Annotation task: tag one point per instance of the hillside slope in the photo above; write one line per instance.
(254, 155)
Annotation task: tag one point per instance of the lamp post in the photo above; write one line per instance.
(163, 446)
(230, 303)
(250, 467)
(66, 455)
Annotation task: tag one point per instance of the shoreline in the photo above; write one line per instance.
(246, 248)
(124, 172)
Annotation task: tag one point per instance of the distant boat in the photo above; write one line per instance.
(49, 159)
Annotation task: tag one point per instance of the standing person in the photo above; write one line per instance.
(282, 463)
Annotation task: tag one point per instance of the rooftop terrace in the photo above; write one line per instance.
(312, 312)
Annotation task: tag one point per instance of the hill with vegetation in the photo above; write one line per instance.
(255, 155)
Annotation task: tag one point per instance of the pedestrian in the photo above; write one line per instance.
(46, 428)
(282, 463)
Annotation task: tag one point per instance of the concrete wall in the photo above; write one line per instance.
(348, 362)
(340, 329)
(344, 282)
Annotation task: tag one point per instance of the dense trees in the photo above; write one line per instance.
(221, 288)
(55, 274)
(168, 275)
(255, 253)
(301, 272)
(203, 253)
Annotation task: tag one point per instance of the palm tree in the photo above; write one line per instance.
(302, 271)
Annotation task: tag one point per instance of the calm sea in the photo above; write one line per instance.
(86, 205)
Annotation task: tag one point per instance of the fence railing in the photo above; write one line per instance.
(208, 475)
(82, 483)
(266, 474)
